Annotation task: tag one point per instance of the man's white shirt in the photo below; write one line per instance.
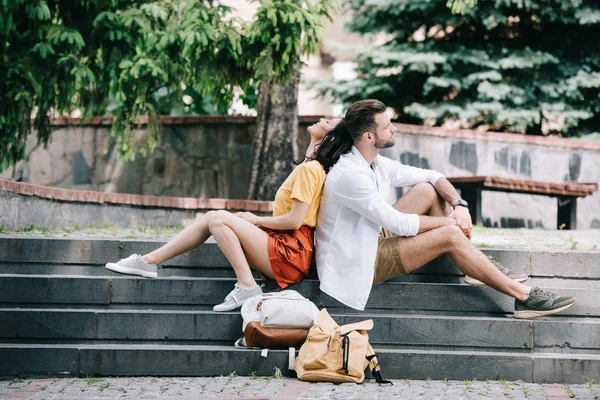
(353, 209)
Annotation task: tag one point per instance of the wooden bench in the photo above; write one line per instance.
(566, 193)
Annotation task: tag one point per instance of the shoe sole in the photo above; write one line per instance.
(130, 271)
(474, 282)
(529, 314)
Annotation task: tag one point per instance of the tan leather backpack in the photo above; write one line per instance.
(333, 353)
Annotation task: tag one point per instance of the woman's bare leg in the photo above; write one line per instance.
(240, 241)
(243, 244)
(186, 240)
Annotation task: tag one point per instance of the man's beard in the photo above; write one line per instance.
(380, 144)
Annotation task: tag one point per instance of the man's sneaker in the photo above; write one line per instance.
(541, 303)
(237, 297)
(134, 265)
(512, 275)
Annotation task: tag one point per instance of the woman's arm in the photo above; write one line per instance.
(290, 221)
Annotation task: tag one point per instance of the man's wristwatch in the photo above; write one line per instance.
(460, 203)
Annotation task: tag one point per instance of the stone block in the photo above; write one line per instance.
(576, 264)
(169, 325)
(80, 169)
(566, 334)
(40, 171)
(42, 324)
(158, 360)
(19, 359)
(15, 289)
(567, 368)
(455, 365)
(451, 331)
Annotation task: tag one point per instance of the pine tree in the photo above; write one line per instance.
(526, 66)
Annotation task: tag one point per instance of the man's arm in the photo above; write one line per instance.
(358, 192)
(404, 175)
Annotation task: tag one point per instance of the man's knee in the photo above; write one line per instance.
(451, 236)
(426, 191)
(456, 236)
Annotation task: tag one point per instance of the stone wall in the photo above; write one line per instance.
(207, 156)
(469, 153)
(211, 156)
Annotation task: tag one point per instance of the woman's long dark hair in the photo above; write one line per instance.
(337, 142)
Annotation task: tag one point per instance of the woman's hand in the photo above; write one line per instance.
(248, 216)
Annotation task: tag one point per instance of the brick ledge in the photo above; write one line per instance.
(88, 196)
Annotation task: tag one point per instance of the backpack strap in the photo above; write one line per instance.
(374, 366)
(291, 358)
(345, 352)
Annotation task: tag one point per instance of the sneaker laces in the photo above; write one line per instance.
(542, 293)
(137, 257)
(132, 257)
(236, 290)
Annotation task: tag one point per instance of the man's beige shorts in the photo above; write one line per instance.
(387, 264)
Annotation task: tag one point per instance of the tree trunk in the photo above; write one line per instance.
(276, 141)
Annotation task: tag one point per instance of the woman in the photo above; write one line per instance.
(279, 247)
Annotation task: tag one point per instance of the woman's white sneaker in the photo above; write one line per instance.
(134, 265)
(237, 297)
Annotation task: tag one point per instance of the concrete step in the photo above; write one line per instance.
(84, 256)
(557, 334)
(81, 291)
(209, 360)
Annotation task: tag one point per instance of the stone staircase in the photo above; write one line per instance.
(61, 312)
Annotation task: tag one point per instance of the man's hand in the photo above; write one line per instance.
(463, 220)
(248, 216)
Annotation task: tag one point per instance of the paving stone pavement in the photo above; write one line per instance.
(234, 387)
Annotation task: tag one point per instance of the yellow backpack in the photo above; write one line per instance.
(333, 353)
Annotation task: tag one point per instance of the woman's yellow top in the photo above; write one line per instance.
(304, 184)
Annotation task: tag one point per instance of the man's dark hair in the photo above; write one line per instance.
(360, 118)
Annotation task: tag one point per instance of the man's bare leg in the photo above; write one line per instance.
(422, 199)
(418, 250)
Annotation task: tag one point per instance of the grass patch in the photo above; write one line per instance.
(590, 384)
(469, 384)
(569, 391)
(90, 380)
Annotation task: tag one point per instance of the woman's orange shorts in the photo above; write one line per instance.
(291, 254)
